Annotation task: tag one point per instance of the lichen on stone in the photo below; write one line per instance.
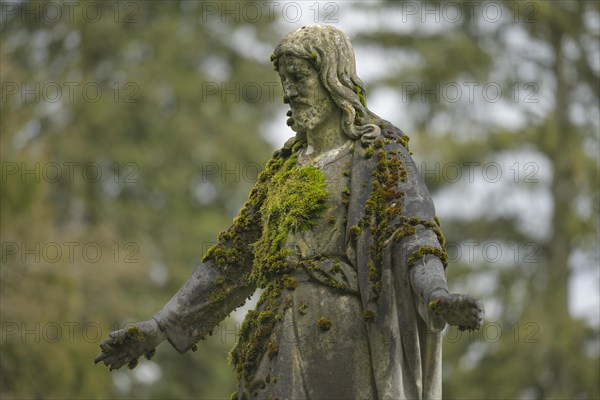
(369, 315)
(324, 324)
(383, 213)
(422, 251)
(289, 282)
(302, 308)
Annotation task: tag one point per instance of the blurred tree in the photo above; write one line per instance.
(535, 63)
(140, 125)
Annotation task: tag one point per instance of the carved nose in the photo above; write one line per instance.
(290, 90)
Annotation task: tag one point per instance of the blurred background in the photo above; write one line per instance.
(133, 131)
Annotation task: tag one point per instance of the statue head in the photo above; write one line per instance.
(330, 53)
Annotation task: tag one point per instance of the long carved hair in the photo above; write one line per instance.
(332, 56)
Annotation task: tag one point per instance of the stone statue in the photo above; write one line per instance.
(340, 233)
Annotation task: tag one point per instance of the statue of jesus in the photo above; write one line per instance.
(341, 234)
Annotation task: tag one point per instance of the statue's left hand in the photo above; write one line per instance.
(459, 310)
(125, 346)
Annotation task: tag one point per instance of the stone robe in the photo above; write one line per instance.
(347, 324)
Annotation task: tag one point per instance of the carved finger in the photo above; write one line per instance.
(106, 346)
(101, 357)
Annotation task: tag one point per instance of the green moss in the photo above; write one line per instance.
(133, 335)
(422, 251)
(254, 334)
(358, 119)
(324, 324)
(361, 95)
(404, 231)
(133, 330)
(302, 308)
(407, 226)
(369, 315)
(347, 172)
(337, 267)
(288, 198)
(234, 396)
(272, 350)
(274, 61)
(296, 200)
(287, 302)
(233, 255)
(437, 221)
(289, 282)
(383, 212)
(332, 220)
(403, 140)
(326, 278)
(369, 152)
(220, 294)
(382, 207)
(432, 304)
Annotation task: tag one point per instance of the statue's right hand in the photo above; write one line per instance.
(125, 346)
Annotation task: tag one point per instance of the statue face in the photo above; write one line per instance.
(310, 102)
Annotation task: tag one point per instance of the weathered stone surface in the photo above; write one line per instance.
(341, 233)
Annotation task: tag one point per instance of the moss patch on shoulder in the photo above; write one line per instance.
(383, 212)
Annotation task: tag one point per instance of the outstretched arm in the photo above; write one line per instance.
(215, 289)
(204, 300)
